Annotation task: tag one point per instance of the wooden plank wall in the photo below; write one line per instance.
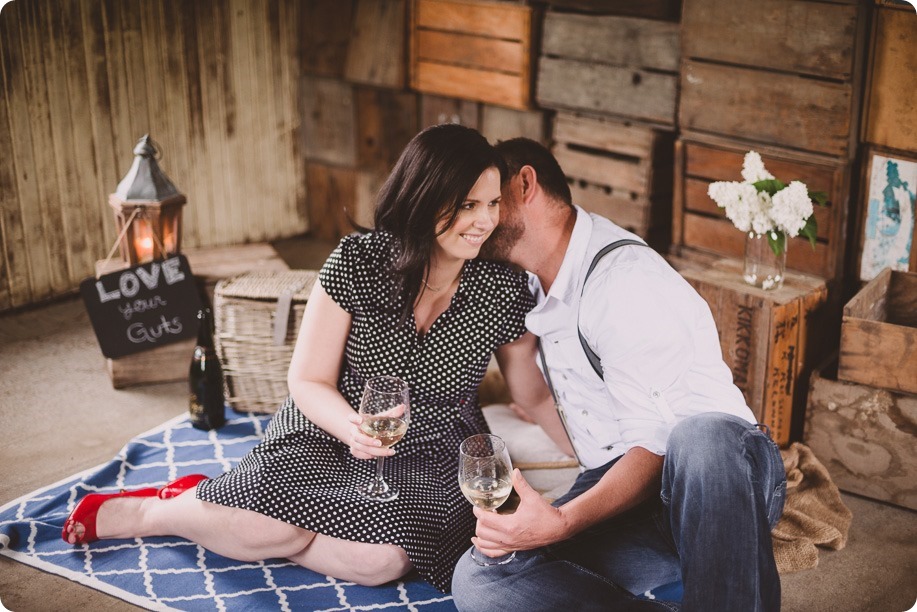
(213, 82)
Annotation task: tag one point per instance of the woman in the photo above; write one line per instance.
(408, 300)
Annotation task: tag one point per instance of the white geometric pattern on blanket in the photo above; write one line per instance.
(174, 574)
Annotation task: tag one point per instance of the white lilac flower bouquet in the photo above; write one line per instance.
(765, 205)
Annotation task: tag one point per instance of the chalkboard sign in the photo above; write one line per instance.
(143, 307)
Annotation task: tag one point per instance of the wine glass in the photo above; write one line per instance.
(386, 411)
(485, 477)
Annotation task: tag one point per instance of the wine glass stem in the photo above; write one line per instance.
(379, 462)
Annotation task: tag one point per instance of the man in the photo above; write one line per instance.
(678, 482)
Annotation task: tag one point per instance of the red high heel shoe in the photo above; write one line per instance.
(180, 485)
(85, 514)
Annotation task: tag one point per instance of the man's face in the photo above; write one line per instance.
(511, 228)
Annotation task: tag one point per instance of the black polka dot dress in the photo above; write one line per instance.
(301, 475)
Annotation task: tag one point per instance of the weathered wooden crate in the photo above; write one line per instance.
(324, 30)
(472, 49)
(611, 65)
(770, 339)
(666, 10)
(340, 198)
(353, 126)
(256, 356)
(864, 436)
(499, 123)
(435, 110)
(620, 171)
(376, 49)
(698, 224)
(786, 86)
(892, 80)
(879, 334)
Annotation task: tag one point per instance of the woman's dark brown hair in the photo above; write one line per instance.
(429, 184)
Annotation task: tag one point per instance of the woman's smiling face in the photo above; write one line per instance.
(477, 217)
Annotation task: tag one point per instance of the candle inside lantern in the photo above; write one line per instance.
(143, 240)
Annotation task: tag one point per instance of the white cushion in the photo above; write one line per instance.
(529, 446)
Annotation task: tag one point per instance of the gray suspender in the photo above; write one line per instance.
(590, 354)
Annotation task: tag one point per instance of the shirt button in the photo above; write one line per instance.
(585, 413)
(656, 394)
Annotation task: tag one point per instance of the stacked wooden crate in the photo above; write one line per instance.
(613, 81)
(357, 111)
(862, 408)
(620, 171)
(471, 61)
(770, 339)
(890, 129)
(860, 418)
(754, 77)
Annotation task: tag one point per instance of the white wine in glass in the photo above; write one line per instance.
(386, 411)
(485, 477)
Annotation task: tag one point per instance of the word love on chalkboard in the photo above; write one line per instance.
(143, 307)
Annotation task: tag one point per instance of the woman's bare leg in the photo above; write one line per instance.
(360, 562)
(246, 535)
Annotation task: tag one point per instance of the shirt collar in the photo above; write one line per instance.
(566, 284)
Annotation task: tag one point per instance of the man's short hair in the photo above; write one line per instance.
(519, 152)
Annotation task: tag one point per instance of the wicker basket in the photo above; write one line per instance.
(246, 309)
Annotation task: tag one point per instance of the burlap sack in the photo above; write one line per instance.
(814, 514)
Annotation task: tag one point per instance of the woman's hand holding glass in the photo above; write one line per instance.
(385, 412)
(365, 445)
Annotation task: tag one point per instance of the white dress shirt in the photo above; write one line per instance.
(656, 338)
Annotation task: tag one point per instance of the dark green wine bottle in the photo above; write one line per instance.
(207, 407)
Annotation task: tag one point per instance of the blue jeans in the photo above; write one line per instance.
(723, 488)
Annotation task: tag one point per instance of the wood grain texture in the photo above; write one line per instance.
(378, 46)
(620, 138)
(329, 121)
(212, 83)
(668, 10)
(472, 50)
(471, 84)
(489, 19)
(768, 107)
(774, 34)
(332, 199)
(720, 237)
(619, 41)
(323, 39)
(879, 334)
(699, 223)
(618, 170)
(864, 436)
(891, 118)
(435, 110)
(763, 336)
(499, 123)
(386, 122)
(638, 94)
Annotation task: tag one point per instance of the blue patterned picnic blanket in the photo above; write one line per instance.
(165, 573)
(171, 573)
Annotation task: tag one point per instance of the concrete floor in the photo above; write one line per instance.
(59, 415)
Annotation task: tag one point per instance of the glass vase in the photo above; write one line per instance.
(763, 268)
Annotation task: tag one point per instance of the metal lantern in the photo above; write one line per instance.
(147, 209)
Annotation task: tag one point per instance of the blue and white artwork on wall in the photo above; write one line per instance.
(889, 224)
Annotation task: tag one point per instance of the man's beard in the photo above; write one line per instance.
(500, 244)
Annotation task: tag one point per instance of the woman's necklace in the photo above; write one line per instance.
(438, 289)
(431, 288)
